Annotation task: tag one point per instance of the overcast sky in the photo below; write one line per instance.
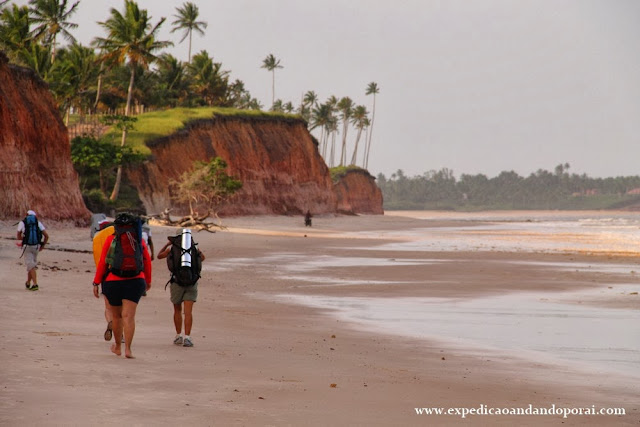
(474, 86)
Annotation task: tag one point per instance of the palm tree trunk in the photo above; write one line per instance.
(190, 32)
(130, 90)
(116, 186)
(273, 87)
(333, 149)
(373, 117)
(99, 88)
(53, 49)
(355, 149)
(343, 150)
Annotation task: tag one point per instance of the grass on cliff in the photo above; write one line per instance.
(340, 171)
(158, 124)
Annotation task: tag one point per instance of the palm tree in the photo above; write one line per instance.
(73, 76)
(320, 116)
(345, 106)
(15, 32)
(372, 89)
(309, 101)
(171, 75)
(51, 18)
(360, 121)
(271, 63)
(332, 127)
(208, 79)
(131, 39)
(186, 20)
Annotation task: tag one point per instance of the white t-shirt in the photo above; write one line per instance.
(22, 229)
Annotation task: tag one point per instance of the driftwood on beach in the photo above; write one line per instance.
(195, 221)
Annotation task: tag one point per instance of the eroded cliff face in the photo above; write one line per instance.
(356, 192)
(276, 160)
(35, 155)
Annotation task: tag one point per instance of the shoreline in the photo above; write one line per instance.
(257, 362)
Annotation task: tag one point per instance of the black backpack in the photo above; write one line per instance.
(183, 275)
(32, 234)
(125, 258)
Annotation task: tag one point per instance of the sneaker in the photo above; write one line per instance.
(188, 342)
(34, 288)
(27, 285)
(178, 340)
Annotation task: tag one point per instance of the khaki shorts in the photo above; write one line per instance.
(31, 256)
(183, 293)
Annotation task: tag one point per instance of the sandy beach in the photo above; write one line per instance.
(264, 354)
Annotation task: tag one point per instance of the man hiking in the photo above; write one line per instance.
(184, 261)
(30, 233)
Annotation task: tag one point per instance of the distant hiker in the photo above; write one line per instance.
(124, 270)
(307, 219)
(30, 233)
(146, 236)
(105, 229)
(96, 220)
(184, 261)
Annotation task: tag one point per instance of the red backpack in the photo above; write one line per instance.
(124, 258)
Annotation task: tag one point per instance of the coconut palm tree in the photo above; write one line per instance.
(360, 120)
(52, 18)
(187, 21)
(271, 63)
(132, 39)
(372, 89)
(310, 99)
(345, 107)
(332, 127)
(208, 79)
(171, 75)
(73, 76)
(15, 30)
(320, 116)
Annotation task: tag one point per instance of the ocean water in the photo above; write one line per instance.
(535, 326)
(524, 231)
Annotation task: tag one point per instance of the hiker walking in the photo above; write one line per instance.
(124, 270)
(105, 229)
(184, 260)
(30, 233)
(146, 236)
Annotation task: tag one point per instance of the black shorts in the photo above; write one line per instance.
(117, 290)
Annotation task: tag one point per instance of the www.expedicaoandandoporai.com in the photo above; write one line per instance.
(553, 410)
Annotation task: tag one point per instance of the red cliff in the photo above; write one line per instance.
(35, 156)
(276, 159)
(357, 192)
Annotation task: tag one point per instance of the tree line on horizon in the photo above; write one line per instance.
(557, 189)
(128, 69)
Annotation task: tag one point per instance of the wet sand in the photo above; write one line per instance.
(261, 358)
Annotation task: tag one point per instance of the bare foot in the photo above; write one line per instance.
(116, 349)
(128, 354)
